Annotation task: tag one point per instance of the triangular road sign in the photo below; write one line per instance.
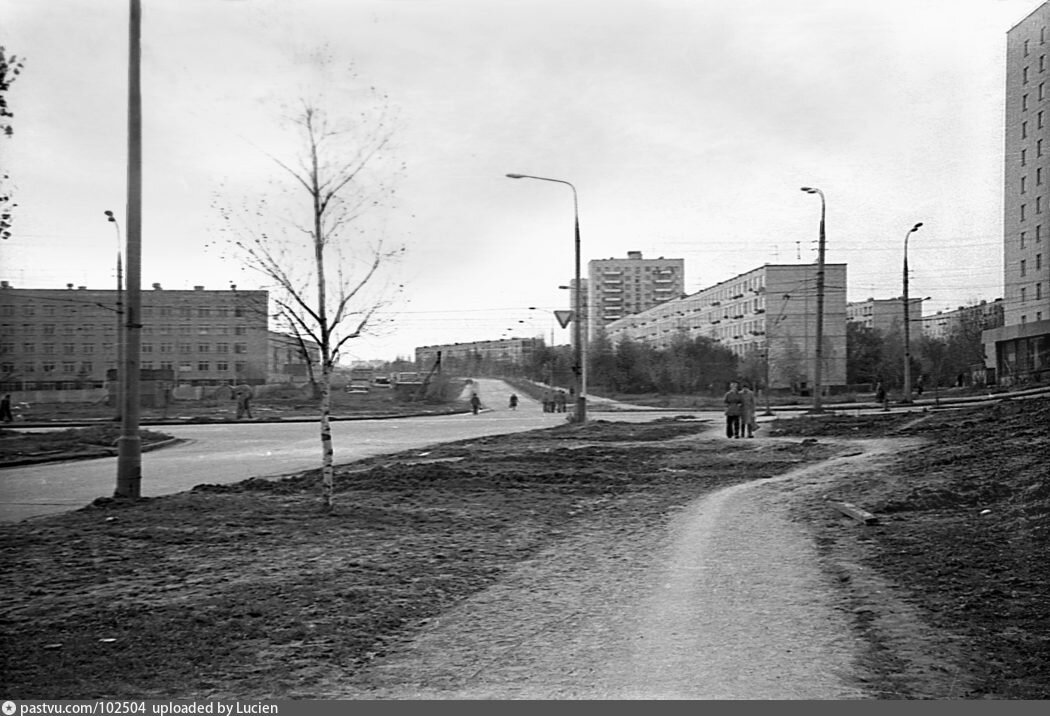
(564, 317)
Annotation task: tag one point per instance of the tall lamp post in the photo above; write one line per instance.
(579, 368)
(129, 445)
(907, 322)
(819, 358)
(118, 401)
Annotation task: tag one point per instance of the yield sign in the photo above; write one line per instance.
(564, 317)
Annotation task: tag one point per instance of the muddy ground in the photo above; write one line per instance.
(250, 591)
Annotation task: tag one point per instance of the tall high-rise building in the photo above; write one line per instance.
(621, 287)
(1020, 349)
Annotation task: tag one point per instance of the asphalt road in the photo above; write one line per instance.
(230, 452)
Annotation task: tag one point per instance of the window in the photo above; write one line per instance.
(49, 329)
(1039, 120)
(1039, 147)
(1024, 130)
(87, 347)
(1042, 90)
(240, 347)
(69, 367)
(186, 330)
(1024, 103)
(1038, 261)
(86, 366)
(222, 366)
(203, 366)
(69, 348)
(165, 310)
(203, 347)
(222, 347)
(166, 347)
(239, 367)
(49, 310)
(7, 311)
(29, 367)
(28, 311)
(202, 330)
(1022, 239)
(203, 313)
(1042, 63)
(1038, 233)
(1024, 76)
(1039, 176)
(238, 312)
(240, 330)
(1024, 184)
(147, 347)
(1024, 157)
(1039, 205)
(1024, 295)
(185, 367)
(185, 348)
(1038, 291)
(166, 365)
(185, 312)
(48, 366)
(1024, 267)
(29, 348)
(1022, 212)
(1026, 48)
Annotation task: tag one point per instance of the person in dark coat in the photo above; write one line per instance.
(5, 409)
(475, 403)
(734, 403)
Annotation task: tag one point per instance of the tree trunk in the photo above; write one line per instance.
(327, 470)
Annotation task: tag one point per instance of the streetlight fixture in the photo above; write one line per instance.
(907, 323)
(118, 401)
(579, 368)
(819, 362)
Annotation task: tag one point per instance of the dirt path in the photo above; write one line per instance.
(726, 601)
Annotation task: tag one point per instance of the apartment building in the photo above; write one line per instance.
(478, 356)
(981, 316)
(620, 287)
(884, 314)
(1019, 351)
(289, 359)
(54, 339)
(769, 312)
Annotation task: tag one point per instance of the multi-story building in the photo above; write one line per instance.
(479, 357)
(981, 316)
(1020, 350)
(621, 287)
(884, 314)
(52, 339)
(768, 312)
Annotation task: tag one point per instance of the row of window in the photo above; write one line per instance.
(51, 329)
(1038, 236)
(89, 348)
(1038, 264)
(1038, 293)
(1042, 40)
(87, 367)
(8, 309)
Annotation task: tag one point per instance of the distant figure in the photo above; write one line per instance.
(243, 395)
(548, 402)
(747, 412)
(5, 409)
(880, 396)
(513, 401)
(559, 401)
(734, 403)
(475, 403)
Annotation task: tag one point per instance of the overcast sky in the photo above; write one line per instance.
(686, 126)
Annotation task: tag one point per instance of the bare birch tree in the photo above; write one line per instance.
(320, 242)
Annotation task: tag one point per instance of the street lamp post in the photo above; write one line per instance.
(907, 322)
(129, 445)
(819, 357)
(118, 400)
(579, 368)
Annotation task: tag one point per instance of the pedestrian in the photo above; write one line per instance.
(513, 401)
(560, 401)
(548, 402)
(475, 403)
(734, 403)
(243, 395)
(5, 408)
(747, 411)
(880, 396)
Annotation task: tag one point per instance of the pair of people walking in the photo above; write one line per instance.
(740, 411)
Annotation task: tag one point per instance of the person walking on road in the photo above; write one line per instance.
(513, 401)
(734, 403)
(475, 403)
(5, 409)
(747, 412)
(243, 395)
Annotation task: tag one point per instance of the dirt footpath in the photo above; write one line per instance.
(726, 601)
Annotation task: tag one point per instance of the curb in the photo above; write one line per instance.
(83, 454)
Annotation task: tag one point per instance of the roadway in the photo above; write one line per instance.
(231, 452)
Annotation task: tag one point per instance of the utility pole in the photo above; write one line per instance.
(129, 445)
(906, 398)
(118, 399)
(818, 387)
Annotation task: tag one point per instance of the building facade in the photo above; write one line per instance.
(479, 357)
(768, 314)
(290, 359)
(982, 316)
(884, 314)
(1019, 351)
(621, 287)
(54, 339)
